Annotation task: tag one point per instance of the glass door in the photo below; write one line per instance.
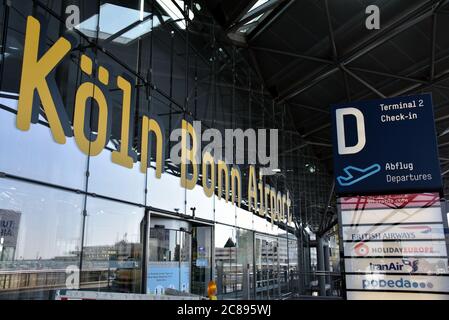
(169, 261)
(267, 284)
(201, 259)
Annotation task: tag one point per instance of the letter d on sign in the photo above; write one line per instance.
(361, 138)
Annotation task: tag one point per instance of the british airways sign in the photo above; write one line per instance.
(386, 146)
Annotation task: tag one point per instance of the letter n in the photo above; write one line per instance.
(37, 79)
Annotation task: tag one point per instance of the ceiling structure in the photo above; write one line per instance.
(294, 58)
(310, 54)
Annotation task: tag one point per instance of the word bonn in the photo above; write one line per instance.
(38, 77)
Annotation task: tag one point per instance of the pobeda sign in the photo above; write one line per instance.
(38, 81)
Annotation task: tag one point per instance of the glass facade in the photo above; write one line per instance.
(83, 222)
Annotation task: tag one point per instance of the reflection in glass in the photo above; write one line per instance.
(35, 155)
(245, 268)
(112, 180)
(40, 238)
(225, 262)
(201, 259)
(112, 252)
(267, 268)
(169, 263)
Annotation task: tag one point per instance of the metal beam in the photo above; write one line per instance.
(331, 31)
(326, 210)
(301, 105)
(442, 77)
(254, 14)
(433, 47)
(267, 22)
(366, 84)
(406, 21)
(394, 76)
(295, 55)
(327, 125)
(306, 84)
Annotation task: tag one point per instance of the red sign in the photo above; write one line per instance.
(396, 201)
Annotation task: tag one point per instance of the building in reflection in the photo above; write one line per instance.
(124, 230)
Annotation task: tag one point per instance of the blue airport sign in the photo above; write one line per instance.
(385, 146)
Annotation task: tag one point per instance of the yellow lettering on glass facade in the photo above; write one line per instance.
(148, 126)
(188, 155)
(252, 189)
(273, 205)
(37, 77)
(267, 199)
(208, 162)
(289, 204)
(280, 207)
(223, 171)
(236, 178)
(123, 157)
(84, 137)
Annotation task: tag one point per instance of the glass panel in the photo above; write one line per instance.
(244, 219)
(41, 230)
(245, 267)
(169, 263)
(112, 180)
(204, 206)
(283, 264)
(260, 224)
(184, 272)
(260, 270)
(225, 262)
(163, 268)
(267, 268)
(201, 259)
(42, 159)
(35, 155)
(224, 212)
(293, 255)
(166, 193)
(272, 252)
(112, 253)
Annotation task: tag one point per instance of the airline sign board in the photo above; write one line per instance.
(382, 282)
(370, 295)
(386, 146)
(395, 249)
(409, 265)
(394, 232)
(394, 243)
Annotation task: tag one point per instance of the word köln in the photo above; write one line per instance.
(38, 81)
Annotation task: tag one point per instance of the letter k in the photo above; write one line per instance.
(34, 79)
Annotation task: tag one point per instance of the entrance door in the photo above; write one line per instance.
(169, 260)
(201, 259)
(267, 285)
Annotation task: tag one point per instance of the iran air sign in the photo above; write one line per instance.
(386, 146)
